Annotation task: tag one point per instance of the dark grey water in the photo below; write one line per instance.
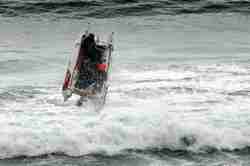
(180, 86)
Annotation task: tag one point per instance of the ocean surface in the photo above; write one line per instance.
(179, 90)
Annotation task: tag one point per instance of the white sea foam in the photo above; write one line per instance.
(197, 116)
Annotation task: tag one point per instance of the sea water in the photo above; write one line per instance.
(179, 90)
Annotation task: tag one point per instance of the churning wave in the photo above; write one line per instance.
(118, 8)
(37, 123)
(100, 138)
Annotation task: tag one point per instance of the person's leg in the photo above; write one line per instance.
(80, 101)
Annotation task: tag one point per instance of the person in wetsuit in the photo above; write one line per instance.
(89, 74)
(91, 56)
(95, 55)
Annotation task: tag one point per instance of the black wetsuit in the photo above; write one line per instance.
(91, 56)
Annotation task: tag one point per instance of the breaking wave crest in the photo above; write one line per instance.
(113, 133)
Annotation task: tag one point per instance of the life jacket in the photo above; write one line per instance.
(102, 67)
